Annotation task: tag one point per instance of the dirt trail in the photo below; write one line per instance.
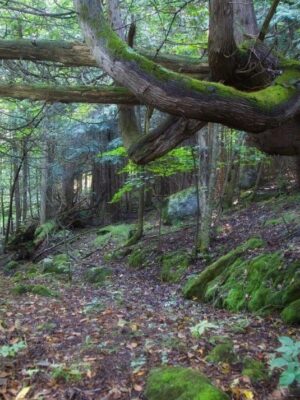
(100, 343)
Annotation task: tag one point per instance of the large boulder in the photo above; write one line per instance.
(180, 205)
(178, 383)
(196, 286)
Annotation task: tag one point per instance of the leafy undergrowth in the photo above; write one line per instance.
(99, 341)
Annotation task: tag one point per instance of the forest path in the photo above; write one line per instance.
(93, 343)
(99, 343)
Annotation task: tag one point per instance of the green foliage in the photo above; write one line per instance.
(62, 373)
(179, 160)
(59, 264)
(222, 352)
(174, 265)
(203, 326)
(117, 234)
(43, 231)
(138, 258)
(13, 349)
(291, 313)
(11, 266)
(285, 218)
(39, 290)
(178, 383)
(288, 362)
(97, 275)
(254, 369)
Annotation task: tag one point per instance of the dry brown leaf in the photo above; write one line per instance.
(23, 393)
(138, 388)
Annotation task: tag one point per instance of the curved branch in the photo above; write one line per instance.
(183, 96)
(165, 137)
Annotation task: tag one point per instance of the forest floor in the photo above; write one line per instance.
(100, 342)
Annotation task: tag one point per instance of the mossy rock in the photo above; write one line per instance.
(40, 290)
(178, 383)
(222, 352)
(174, 265)
(97, 275)
(255, 370)
(247, 284)
(291, 313)
(11, 266)
(196, 287)
(117, 234)
(261, 284)
(179, 206)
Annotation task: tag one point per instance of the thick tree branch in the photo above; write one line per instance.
(76, 54)
(167, 136)
(80, 94)
(180, 95)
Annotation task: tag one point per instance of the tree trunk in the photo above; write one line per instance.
(46, 201)
(25, 173)
(12, 194)
(208, 153)
(16, 192)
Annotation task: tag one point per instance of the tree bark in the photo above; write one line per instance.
(245, 23)
(76, 54)
(223, 50)
(207, 173)
(179, 95)
(79, 94)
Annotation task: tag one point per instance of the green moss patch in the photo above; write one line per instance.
(177, 383)
(11, 266)
(196, 287)
(138, 258)
(222, 352)
(59, 264)
(286, 218)
(263, 283)
(255, 370)
(291, 313)
(43, 231)
(97, 275)
(117, 234)
(174, 265)
(39, 290)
